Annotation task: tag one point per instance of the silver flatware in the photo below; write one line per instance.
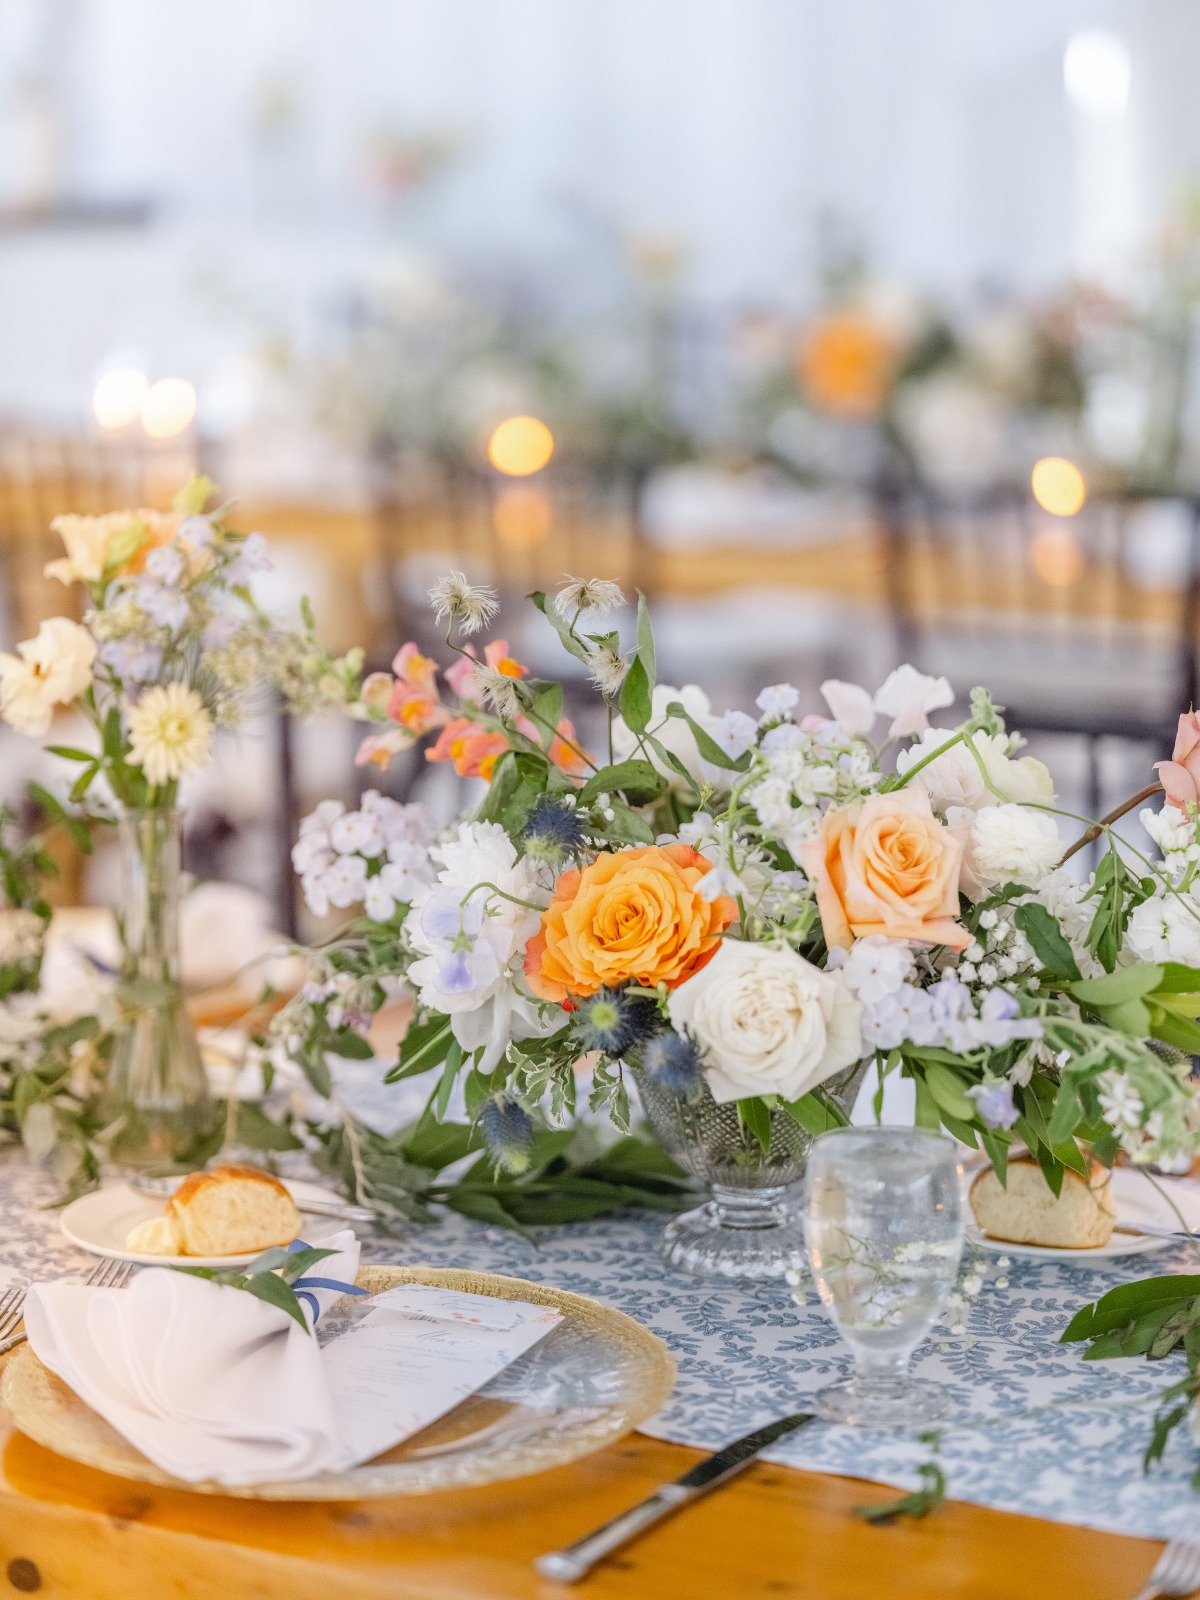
(108, 1273)
(341, 1210)
(1153, 1230)
(1176, 1572)
(578, 1559)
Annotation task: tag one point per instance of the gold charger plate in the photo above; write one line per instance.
(592, 1379)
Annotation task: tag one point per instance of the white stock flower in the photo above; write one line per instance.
(735, 733)
(954, 778)
(777, 700)
(767, 1021)
(1007, 844)
(51, 669)
(356, 833)
(908, 696)
(874, 967)
(170, 733)
(1172, 830)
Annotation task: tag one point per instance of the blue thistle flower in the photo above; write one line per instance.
(673, 1062)
(508, 1129)
(613, 1020)
(552, 831)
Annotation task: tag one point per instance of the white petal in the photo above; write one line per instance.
(850, 705)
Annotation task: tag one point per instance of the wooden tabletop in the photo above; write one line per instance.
(772, 1534)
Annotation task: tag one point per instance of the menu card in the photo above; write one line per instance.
(415, 1355)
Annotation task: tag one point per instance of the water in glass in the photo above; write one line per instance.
(883, 1225)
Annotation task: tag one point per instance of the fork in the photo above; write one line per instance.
(1176, 1572)
(108, 1273)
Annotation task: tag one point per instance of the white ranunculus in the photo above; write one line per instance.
(675, 735)
(767, 1021)
(955, 779)
(49, 670)
(1007, 844)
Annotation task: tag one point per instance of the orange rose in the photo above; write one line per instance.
(886, 867)
(635, 916)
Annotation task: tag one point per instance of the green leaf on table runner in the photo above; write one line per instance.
(753, 1114)
(635, 702)
(706, 744)
(636, 779)
(422, 1048)
(917, 1504)
(252, 1127)
(438, 1144)
(1121, 1305)
(1044, 933)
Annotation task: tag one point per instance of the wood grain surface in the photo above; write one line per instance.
(774, 1534)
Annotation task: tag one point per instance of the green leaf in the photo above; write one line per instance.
(816, 1113)
(1117, 891)
(626, 827)
(439, 1144)
(635, 702)
(1182, 1032)
(546, 712)
(918, 1504)
(672, 760)
(568, 641)
(1066, 1113)
(947, 1089)
(706, 744)
(482, 1207)
(645, 640)
(753, 1114)
(422, 1048)
(1178, 979)
(254, 1128)
(69, 753)
(636, 778)
(266, 1286)
(53, 807)
(1119, 1306)
(1117, 988)
(345, 1042)
(1042, 930)
(454, 1060)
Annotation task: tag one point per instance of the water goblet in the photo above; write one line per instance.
(883, 1226)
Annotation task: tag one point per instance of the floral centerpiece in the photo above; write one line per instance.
(172, 647)
(744, 914)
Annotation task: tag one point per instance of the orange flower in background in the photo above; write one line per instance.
(473, 750)
(886, 867)
(1180, 776)
(845, 364)
(569, 756)
(633, 916)
(414, 702)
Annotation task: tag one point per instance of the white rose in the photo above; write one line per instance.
(675, 735)
(954, 779)
(50, 670)
(1006, 844)
(767, 1021)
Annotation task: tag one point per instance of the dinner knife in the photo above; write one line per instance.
(578, 1559)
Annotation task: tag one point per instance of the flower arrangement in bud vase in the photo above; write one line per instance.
(172, 648)
(733, 916)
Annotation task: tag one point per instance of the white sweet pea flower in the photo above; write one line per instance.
(908, 696)
(767, 1021)
(850, 705)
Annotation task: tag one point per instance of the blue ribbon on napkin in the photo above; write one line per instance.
(303, 1285)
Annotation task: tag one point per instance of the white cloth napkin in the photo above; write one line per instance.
(211, 1383)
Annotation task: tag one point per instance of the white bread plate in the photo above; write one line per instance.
(100, 1222)
(1138, 1203)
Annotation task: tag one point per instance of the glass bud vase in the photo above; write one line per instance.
(157, 1093)
(750, 1227)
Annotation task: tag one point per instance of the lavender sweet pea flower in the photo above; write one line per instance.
(251, 558)
(166, 565)
(132, 659)
(994, 1102)
(167, 607)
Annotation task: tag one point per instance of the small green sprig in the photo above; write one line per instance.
(268, 1277)
(917, 1504)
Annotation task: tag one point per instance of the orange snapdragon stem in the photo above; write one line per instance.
(1098, 828)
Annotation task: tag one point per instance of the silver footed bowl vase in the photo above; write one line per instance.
(749, 1227)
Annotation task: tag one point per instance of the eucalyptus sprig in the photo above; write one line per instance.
(268, 1277)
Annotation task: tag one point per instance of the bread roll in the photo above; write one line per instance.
(154, 1237)
(230, 1211)
(1027, 1212)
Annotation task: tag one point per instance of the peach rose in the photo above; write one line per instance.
(633, 916)
(1180, 776)
(886, 867)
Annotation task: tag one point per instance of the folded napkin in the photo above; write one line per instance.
(209, 1382)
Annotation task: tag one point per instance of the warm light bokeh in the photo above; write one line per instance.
(1057, 557)
(168, 407)
(1058, 486)
(520, 445)
(118, 395)
(522, 516)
